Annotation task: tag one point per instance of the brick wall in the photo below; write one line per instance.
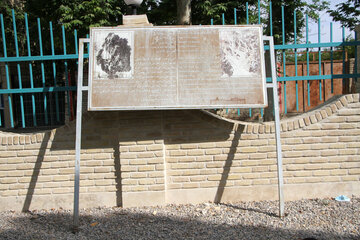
(186, 156)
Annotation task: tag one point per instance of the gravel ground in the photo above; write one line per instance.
(318, 219)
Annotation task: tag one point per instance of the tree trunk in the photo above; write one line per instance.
(183, 12)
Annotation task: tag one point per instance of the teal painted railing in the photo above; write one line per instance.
(47, 96)
(38, 99)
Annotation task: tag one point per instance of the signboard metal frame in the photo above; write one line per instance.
(81, 88)
(208, 106)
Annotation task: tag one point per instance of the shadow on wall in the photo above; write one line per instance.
(107, 130)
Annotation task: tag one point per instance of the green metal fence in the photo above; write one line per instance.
(43, 96)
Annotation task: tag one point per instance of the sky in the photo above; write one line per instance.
(325, 27)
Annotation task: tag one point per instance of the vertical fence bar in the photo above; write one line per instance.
(332, 58)
(247, 13)
(54, 72)
(271, 24)
(283, 53)
(18, 69)
(307, 60)
(76, 42)
(42, 72)
(356, 56)
(66, 71)
(30, 69)
(212, 21)
(235, 17)
(7, 71)
(343, 57)
(259, 13)
(296, 65)
(320, 73)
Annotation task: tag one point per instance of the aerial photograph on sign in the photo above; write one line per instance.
(113, 54)
(194, 67)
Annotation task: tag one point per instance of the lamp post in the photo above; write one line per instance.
(133, 4)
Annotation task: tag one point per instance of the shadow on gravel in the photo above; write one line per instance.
(125, 225)
(252, 210)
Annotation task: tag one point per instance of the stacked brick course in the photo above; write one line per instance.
(159, 157)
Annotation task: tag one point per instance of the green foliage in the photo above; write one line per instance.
(164, 13)
(347, 13)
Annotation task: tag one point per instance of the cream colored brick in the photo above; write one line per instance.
(138, 175)
(198, 178)
(247, 149)
(157, 188)
(129, 182)
(313, 166)
(208, 158)
(191, 172)
(207, 145)
(354, 171)
(59, 178)
(311, 153)
(139, 188)
(145, 142)
(138, 161)
(350, 178)
(146, 168)
(258, 156)
(177, 153)
(249, 163)
(129, 143)
(9, 193)
(180, 179)
(128, 155)
(128, 168)
(321, 173)
(241, 169)
(215, 151)
(214, 178)
(214, 164)
(223, 144)
(261, 182)
(147, 181)
(313, 119)
(251, 175)
(102, 169)
(155, 161)
(51, 172)
(294, 167)
(347, 151)
(145, 155)
(155, 147)
(137, 148)
(208, 184)
(189, 146)
(293, 154)
(8, 180)
(328, 152)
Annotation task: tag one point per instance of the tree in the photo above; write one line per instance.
(183, 12)
(202, 11)
(347, 13)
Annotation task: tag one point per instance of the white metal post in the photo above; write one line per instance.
(273, 85)
(80, 89)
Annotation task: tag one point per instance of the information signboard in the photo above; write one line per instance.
(194, 67)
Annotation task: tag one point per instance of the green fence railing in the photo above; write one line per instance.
(39, 87)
